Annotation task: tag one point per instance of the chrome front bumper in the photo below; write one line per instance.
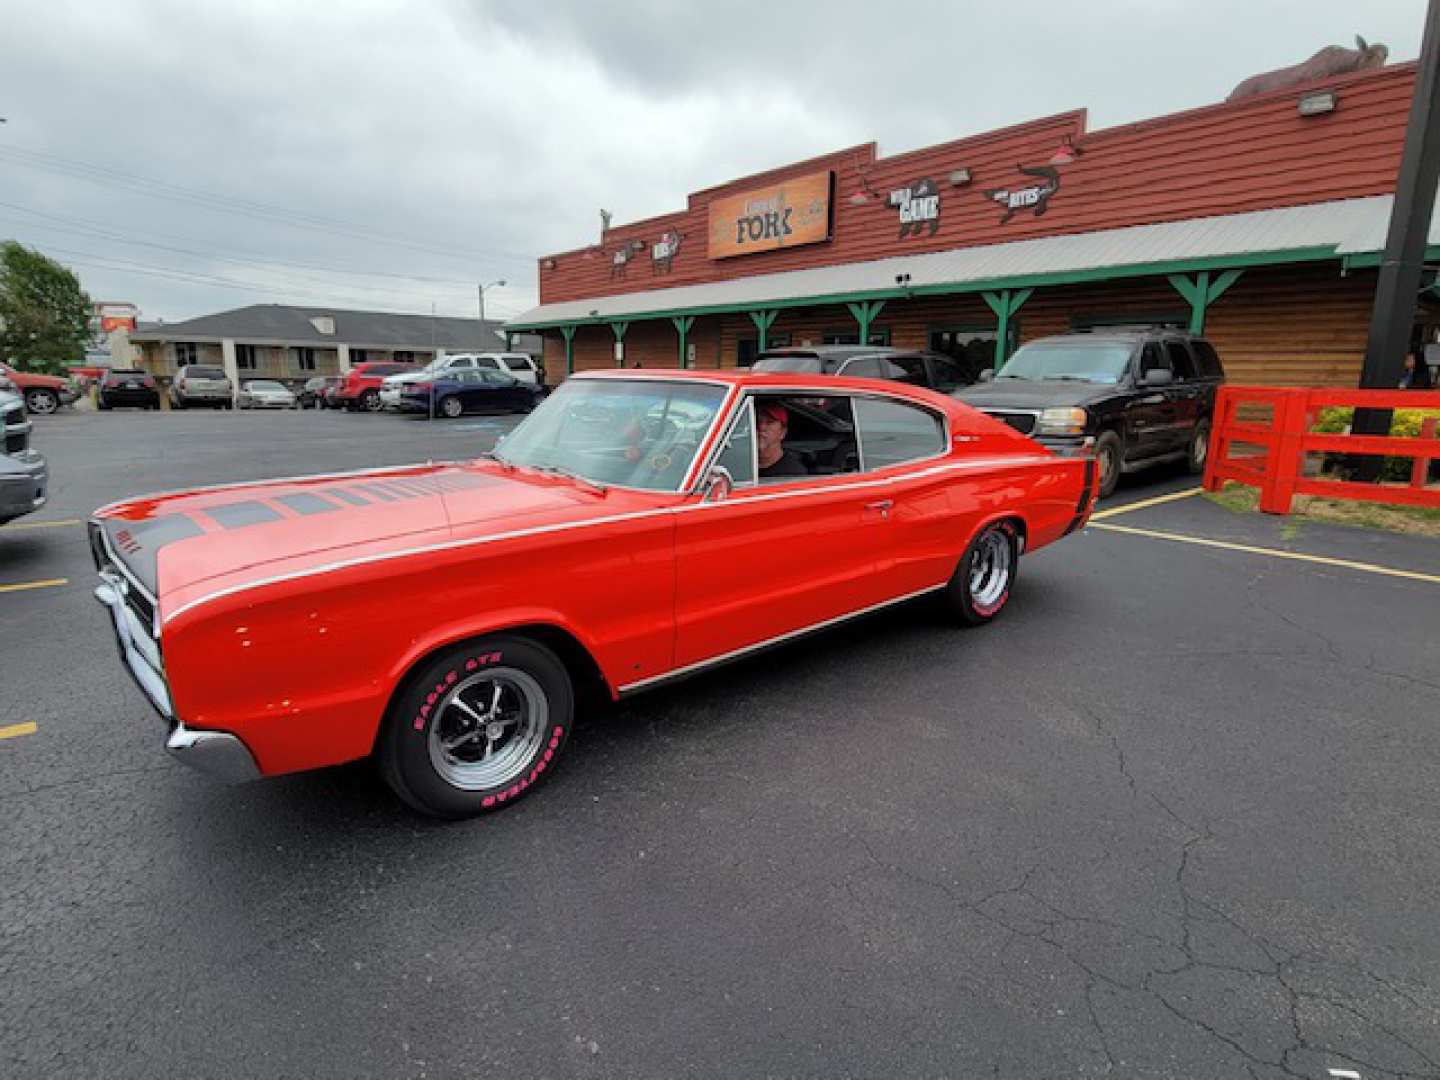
(215, 753)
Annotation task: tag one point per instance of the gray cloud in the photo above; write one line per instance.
(489, 133)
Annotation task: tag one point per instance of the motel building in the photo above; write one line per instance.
(1257, 222)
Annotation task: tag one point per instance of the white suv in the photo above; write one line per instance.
(516, 365)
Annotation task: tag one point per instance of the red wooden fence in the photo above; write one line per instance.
(1279, 471)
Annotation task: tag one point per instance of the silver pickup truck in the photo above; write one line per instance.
(24, 481)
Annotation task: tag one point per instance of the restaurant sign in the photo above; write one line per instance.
(782, 215)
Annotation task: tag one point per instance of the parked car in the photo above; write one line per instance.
(359, 388)
(470, 390)
(517, 365)
(312, 394)
(1137, 398)
(127, 386)
(934, 370)
(265, 394)
(24, 479)
(43, 394)
(448, 617)
(201, 384)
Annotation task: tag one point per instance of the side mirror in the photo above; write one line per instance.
(986, 375)
(718, 484)
(1158, 377)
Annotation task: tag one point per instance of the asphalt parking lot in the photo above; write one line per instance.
(1173, 815)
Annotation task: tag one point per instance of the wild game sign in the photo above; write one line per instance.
(787, 214)
(919, 207)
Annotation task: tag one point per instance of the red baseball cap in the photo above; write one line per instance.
(773, 410)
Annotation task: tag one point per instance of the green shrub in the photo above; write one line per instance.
(1404, 424)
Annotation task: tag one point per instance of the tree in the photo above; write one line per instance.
(44, 314)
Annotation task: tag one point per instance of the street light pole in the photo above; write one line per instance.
(482, 288)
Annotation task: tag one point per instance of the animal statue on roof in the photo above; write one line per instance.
(1328, 62)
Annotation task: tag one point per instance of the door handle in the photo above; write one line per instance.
(883, 506)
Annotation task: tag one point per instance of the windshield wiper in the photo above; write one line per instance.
(570, 474)
(1066, 378)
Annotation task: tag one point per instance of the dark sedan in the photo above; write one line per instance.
(127, 386)
(472, 390)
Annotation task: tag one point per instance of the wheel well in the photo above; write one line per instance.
(1020, 529)
(590, 685)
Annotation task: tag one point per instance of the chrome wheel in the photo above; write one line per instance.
(990, 569)
(451, 407)
(41, 402)
(487, 729)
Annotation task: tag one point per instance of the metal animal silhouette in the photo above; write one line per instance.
(1328, 62)
(1035, 196)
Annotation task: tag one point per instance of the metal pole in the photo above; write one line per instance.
(482, 305)
(1397, 286)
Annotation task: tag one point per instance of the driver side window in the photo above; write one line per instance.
(738, 454)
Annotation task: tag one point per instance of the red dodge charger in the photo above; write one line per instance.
(639, 526)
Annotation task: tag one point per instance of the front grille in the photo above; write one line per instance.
(17, 430)
(1022, 422)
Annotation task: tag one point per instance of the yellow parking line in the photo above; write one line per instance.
(1275, 553)
(14, 731)
(42, 524)
(1143, 503)
(23, 585)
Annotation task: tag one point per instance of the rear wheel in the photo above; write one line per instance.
(477, 727)
(1199, 448)
(370, 401)
(981, 585)
(1108, 457)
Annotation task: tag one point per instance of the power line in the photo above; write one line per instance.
(108, 177)
(129, 266)
(104, 231)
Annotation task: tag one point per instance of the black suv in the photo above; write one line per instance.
(935, 370)
(1140, 398)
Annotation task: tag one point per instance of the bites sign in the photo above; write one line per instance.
(783, 215)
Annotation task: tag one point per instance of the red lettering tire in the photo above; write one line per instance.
(477, 727)
(981, 584)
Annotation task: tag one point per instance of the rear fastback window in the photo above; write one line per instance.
(205, 372)
(788, 363)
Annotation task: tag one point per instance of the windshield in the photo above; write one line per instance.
(808, 364)
(632, 432)
(1087, 361)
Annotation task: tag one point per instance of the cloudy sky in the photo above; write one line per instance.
(195, 156)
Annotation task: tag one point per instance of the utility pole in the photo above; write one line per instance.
(1397, 286)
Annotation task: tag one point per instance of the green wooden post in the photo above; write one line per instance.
(864, 314)
(1200, 292)
(682, 324)
(763, 320)
(568, 333)
(1004, 304)
(619, 328)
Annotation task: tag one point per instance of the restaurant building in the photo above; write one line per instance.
(1258, 222)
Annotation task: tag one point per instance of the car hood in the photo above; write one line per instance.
(1028, 394)
(179, 545)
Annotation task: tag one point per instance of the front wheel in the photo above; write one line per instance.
(1199, 449)
(451, 407)
(981, 584)
(477, 727)
(42, 402)
(1108, 457)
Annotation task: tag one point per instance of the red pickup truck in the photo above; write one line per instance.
(43, 394)
(360, 387)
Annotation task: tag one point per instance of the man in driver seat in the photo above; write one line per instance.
(772, 422)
